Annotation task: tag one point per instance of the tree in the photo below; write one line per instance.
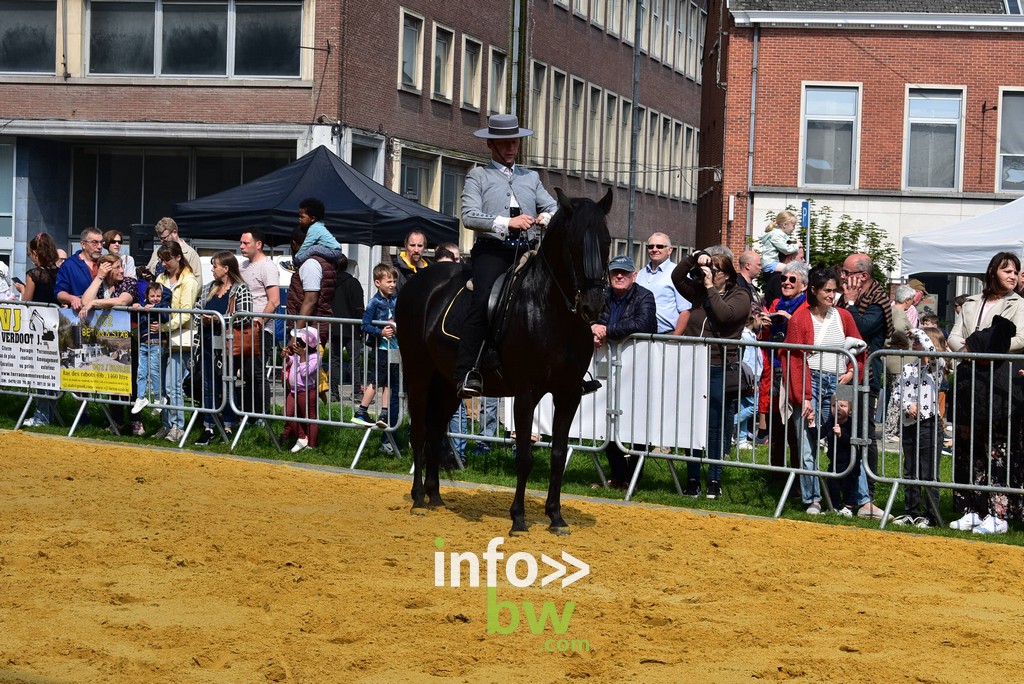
(831, 244)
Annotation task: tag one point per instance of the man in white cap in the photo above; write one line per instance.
(503, 202)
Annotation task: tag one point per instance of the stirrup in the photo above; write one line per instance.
(592, 385)
(472, 385)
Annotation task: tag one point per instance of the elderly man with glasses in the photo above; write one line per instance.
(166, 230)
(78, 271)
(672, 308)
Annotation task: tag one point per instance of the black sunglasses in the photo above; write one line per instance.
(116, 242)
(790, 279)
(656, 246)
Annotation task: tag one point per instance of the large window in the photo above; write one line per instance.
(471, 51)
(933, 139)
(575, 148)
(410, 65)
(625, 140)
(556, 149)
(830, 127)
(537, 143)
(609, 150)
(593, 131)
(416, 179)
(6, 190)
(443, 45)
(453, 178)
(233, 39)
(614, 17)
(28, 36)
(1011, 142)
(498, 82)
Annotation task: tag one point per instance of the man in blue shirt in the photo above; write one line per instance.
(656, 276)
(77, 272)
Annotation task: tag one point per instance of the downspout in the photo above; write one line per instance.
(753, 122)
(518, 43)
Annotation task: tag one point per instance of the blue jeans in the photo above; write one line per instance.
(176, 396)
(823, 388)
(745, 419)
(150, 357)
(721, 413)
(459, 423)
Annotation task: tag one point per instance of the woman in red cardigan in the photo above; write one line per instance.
(812, 376)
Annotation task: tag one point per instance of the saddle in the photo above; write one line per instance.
(498, 303)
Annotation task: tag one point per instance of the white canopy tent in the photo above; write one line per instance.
(966, 247)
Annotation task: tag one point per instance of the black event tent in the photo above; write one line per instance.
(359, 210)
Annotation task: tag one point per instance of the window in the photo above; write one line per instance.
(443, 42)
(580, 7)
(1014, 7)
(702, 23)
(830, 120)
(641, 147)
(556, 137)
(7, 191)
(680, 162)
(1011, 142)
(471, 51)
(597, 13)
(656, 28)
(28, 37)
(410, 73)
(233, 39)
(416, 179)
(453, 178)
(933, 139)
(537, 143)
(665, 171)
(681, 36)
(614, 17)
(689, 189)
(499, 80)
(593, 131)
(625, 140)
(668, 50)
(575, 160)
(691, 41)
(629, 21)
(609, 163)
(653, 152)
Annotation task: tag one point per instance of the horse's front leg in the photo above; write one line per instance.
(565, 411)
(418, 439)
(523, 411)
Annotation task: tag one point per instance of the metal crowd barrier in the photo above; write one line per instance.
(979, 423)
(668, 397)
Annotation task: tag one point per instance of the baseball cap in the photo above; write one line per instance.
(309, 335)
(622, 263)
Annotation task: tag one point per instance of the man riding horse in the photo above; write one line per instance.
(502, 201)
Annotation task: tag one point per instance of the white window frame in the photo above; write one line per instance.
(625, 133)
(1000, 165)
(597, 13)
(667, 162)
(656, 27)
(497, 101)
(680, 165)
(538, 106)
(609, 148)
(641, 148)
(7, 241)
(581, 8)
(557, 117)
(959, 122)
(668, 49)
(473, 99)
(564, 4)
(614, 17)
(653, 158)
(417, 85)
(687, 188)
(576, 113)
(702, 26)
(856, 119)
(446, 79)
(629, 20)
(679, 59)
(692, 23)
(594, 122)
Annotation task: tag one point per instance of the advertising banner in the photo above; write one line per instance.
(96, 354)
(29, 355)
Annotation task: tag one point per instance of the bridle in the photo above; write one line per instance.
(594, 273)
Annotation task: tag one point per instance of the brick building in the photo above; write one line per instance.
(112, 112)
(912, 119)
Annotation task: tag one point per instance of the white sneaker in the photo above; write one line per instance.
(300, 444)
(140, 403)
(968, 522)
(845, 512)
(814, 509)
(922, 522)
(744, 445)
(991, 525)
(903, 520)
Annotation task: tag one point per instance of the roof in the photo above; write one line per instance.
(886, 6)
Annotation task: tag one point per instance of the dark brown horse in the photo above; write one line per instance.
(546, 347)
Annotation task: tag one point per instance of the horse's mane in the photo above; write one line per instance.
(584, 223)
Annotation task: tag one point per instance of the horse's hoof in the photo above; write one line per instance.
(560, 531)
(419, 510)
(437, 504)
(515, 532)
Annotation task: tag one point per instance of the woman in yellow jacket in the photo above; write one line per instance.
(184, 287)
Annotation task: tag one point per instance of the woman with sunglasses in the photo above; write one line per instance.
(793, 279)
(112, 241)
(812, 376)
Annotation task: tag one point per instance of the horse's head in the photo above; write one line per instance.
(582, 221)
